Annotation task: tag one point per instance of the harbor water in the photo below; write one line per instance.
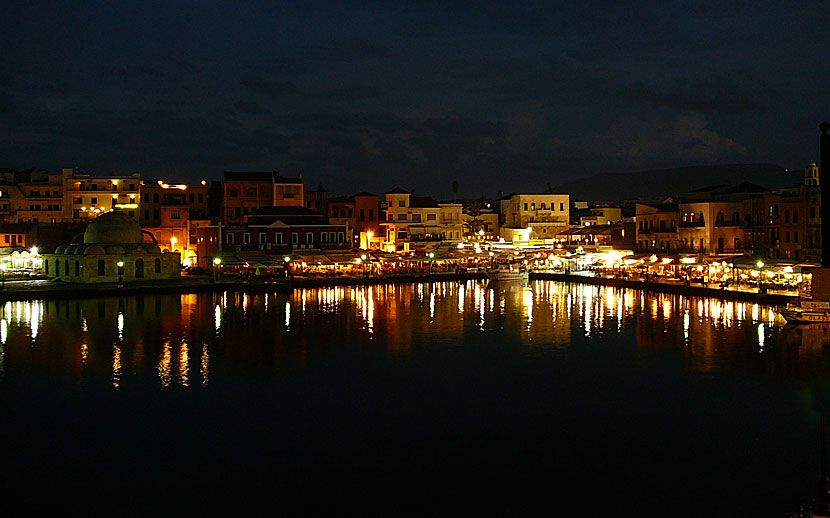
(462, 397)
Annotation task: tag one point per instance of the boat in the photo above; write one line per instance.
(505, 273)
(806, 311)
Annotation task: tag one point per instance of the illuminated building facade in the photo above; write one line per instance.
(544, 214)
(88, 195)
(157, 193)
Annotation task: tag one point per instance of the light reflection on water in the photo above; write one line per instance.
(266, 333)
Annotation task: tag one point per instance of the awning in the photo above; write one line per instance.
(344, 257)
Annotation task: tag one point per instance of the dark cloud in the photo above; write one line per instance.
(268, 87)
(249, 107)
(351, 93)
(717, 95)
(467, 128)
(132, 71)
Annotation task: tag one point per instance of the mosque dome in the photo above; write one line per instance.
(113, 227)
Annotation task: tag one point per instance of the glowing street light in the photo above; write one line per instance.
(120, 265)
(217, 264)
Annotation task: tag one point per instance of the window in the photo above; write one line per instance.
(295, 238)
(362, 214)
(175, 214)
(371, 214)
(201, 198)
(416, 218)
(786, 237)
(94, 200)
(139, 268)
(561, 206)
(333, 237)
(146, 197)
(229, 239)
(262, 238)
(192, 199)
(341, 237)
(786, 216)
(812, 212)
(246, 238)
(402, 203)
(157, 265)
(156, 214)
(430, 217)
(77, 269)
(795, 237)
(795, 216)
(309, 237)
(278, 238)
(146, 214)
(401, 217)
(525, 206)
(533, 206)
(233, 193)
(543, 206)
(46, 266)
(102, 267)
(322, 237)
(132, 186)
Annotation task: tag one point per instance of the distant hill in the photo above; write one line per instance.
(616, 187)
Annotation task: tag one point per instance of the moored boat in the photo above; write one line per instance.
(507, 274)
(807, 311)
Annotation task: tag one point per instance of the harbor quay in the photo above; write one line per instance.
(44, 289)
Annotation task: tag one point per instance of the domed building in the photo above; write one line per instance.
(113, 237)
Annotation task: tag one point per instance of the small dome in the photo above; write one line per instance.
(80, 250)
(59, 250)
(115, 249)
(69, 250)
(95, 250)
(152, 248)
(113, 227)
(77, 238)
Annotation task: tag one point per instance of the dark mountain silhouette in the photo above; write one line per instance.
(659, 183)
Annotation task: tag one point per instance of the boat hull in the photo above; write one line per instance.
(797, 317)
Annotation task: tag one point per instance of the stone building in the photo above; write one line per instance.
(113, 237)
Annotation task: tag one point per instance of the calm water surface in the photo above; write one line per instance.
(551, 398)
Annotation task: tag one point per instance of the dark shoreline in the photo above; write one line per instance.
(184, 286)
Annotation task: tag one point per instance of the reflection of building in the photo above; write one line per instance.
(113, 237)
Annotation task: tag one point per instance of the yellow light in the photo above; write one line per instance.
(688, 260)
(217, 261)
(33, 250)
(759, 264)
(126, 205)
(115, 182)
(114, 196)
(203, 182)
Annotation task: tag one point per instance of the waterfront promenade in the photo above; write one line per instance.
(50, 289)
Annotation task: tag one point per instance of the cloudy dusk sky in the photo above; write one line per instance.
(370, 95)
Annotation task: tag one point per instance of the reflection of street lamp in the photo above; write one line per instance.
(217, 264)
(120, 265)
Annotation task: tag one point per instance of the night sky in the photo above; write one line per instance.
(370, 95)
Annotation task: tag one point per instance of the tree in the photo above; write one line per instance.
(474, 222)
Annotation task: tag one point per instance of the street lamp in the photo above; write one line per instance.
(217, 263)
(431, 257)
(363, 261)
(120, 265)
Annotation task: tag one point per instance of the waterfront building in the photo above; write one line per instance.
(271, 231)
(156, 193)
(602, 216)
(31, 196)
(89, 195)
(244, 192)
(289, 192)
(419, 221)
(360, 214)
(317, 199)
(481, 225)
(657, 226)
(18, 234)
(113, 248)
(533, 216)
(711, 227)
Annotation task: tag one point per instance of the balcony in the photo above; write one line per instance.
(692, 224)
